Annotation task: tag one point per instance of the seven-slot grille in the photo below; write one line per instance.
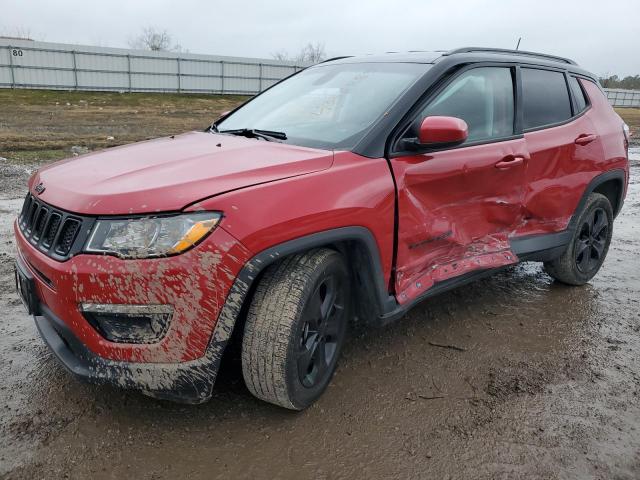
(52, 230)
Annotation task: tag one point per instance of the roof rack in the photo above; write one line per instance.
(511, 52)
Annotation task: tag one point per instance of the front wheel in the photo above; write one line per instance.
(589, 246)
(295, 328)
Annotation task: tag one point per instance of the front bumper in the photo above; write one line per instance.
(187, 382)
(200, 284)
(196, 284)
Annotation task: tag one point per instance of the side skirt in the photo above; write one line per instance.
(541, 248)
(437, 289)
(537, 248)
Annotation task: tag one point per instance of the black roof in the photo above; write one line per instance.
(464, 55)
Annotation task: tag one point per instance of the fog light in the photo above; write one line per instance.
(128, 323)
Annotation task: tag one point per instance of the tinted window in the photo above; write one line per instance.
(578, 94)
(482, 97)
(545, 98)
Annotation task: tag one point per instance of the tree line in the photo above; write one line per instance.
(628, 83)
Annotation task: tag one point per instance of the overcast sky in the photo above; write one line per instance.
(603, 37)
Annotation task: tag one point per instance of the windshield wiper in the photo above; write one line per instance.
(268, 135)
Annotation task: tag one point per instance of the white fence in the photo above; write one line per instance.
(28, 64)
(623, 98)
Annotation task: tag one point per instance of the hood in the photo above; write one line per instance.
(167, 174)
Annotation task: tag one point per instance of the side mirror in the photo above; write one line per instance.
(437, 131)
(443, 131)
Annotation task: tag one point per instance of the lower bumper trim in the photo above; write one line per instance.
(187, 382)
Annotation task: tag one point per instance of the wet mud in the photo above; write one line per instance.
(514, 376)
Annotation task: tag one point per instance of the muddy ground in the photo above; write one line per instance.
(545, 384)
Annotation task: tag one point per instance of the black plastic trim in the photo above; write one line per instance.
(505, 51)
(437, 289)
(26, 227)
(574, 103)
(546, 247)
(616, 174)
(384, 301)
(187, 382)
(540, 248)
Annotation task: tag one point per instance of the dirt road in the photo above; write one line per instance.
(546, 384)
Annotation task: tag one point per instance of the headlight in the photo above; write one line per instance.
(145, 237)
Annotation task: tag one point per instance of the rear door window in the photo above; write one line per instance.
(545, 98)
(578, 95)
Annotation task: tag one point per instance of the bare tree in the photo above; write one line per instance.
(311, 52)
(281, 55)
(154, 39)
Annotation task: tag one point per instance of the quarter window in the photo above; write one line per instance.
(545, 98)
(482, 97)
(578, 94)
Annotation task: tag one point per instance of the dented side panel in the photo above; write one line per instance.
(559, 170)
(557, 174)
(456, 213)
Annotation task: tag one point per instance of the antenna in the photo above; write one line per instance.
(518, 44)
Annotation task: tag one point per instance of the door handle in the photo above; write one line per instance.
(585, 138)
(510, 161)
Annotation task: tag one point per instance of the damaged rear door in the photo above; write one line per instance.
(458, 206)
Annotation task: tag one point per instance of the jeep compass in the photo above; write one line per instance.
(355, 188)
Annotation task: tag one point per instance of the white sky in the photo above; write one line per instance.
(602, 37)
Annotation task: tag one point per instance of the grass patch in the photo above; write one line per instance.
(631, 116)
(41, 126)
(24, 97)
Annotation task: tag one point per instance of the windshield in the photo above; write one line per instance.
(327, 106)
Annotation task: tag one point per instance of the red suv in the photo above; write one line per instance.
(355, 188)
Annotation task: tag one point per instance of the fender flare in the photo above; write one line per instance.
(617, 174)
(241, 287)
(547, 246)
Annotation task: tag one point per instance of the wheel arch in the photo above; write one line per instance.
(611, 184)
(356, 243)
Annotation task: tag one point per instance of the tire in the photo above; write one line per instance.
(295, 327)
(589, 246)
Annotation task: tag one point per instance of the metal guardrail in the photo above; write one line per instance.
(623, 98)
(54, 66)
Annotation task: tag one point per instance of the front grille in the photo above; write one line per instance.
(55, 232)
(67, 236)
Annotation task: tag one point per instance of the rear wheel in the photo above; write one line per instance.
(589, 246)
(295, 328)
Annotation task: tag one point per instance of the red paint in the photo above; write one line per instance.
(106, 279)
(457, 210)
(560, 168)
(354, 191)
(438, 129)
(167, 173)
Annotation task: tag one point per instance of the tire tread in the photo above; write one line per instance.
(271, 319)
